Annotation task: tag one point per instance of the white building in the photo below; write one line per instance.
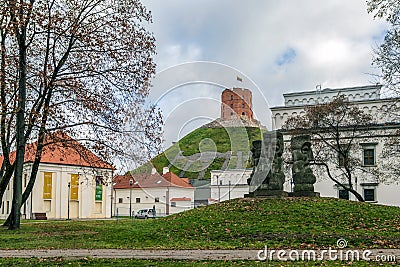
(71, 182)
(368, 99)
(167, 193)
(229, 184)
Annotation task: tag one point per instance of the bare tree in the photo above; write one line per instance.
(336, 128)
(82, 67)
(387, 55)
(387, 58)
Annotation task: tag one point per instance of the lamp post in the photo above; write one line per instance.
(167, 201)
(31, 206)
(69, 190)
(130, 197)
(219, 191)
(229, 190)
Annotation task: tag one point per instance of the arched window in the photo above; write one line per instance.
(231, 105)
(231, 97)
(243, 114)
(242, 105)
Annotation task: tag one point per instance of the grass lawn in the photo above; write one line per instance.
(177, 263)
(293, 223)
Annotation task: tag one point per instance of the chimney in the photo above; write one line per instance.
(153, 171)
(165, 170)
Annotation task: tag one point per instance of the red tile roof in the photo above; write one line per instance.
(181, 199)
(123, 181)
(63, 150)
(174, 179)
(186, 180)
(150, 181)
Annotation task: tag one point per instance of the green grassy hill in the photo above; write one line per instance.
(237, 140)
(240, 223)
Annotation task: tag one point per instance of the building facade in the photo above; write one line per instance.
(167, 193)
(368, 99)
(229, 184)
(68, 185)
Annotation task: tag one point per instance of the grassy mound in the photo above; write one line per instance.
(208, 139)
(240, 223)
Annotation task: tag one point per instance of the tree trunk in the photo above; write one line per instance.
(20, 134)
(351, 190)
(6, 169)
(6, 180)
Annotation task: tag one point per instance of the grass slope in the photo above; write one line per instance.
(223, 140)
(240, 223)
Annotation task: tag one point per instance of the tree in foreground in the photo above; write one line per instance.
(387, 55)
(336, 128)
(387, 58)
(82, 67)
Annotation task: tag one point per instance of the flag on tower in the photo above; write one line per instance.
(239, 79)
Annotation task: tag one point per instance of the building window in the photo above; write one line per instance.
(156, 199)
(138, 200)
(120, 200)
(25, 178)
(8, 207)
(99, 189)
(74, 186)
(220, 182)
(369, 156)
(232, 113)
(2, 207)
(343, 194)
(341, 159)
(243, 97)
(242, 105)
(243, 114)
(47, 185)
(231, 105)
(231, 97)
(173, 204)
(369, 194)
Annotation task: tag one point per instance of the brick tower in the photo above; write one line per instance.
(236, 102)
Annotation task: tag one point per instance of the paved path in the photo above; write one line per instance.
(167, 254)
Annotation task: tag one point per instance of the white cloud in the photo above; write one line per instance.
(332, 40)
(174, 54)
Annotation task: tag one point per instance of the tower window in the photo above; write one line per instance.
(243, 114)
(242, 105)
(231, 97)
(231, 105)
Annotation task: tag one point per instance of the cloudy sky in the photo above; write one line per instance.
(278, 46)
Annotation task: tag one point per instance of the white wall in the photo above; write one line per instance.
(57, 206)
(229, 184)
(148, 196)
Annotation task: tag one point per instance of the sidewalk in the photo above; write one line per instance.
(160, 254)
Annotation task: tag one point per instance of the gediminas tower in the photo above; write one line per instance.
(236, 103)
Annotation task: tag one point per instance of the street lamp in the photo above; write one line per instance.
(69, 190)
(229, 189)
(219, 191)
(130, 197)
